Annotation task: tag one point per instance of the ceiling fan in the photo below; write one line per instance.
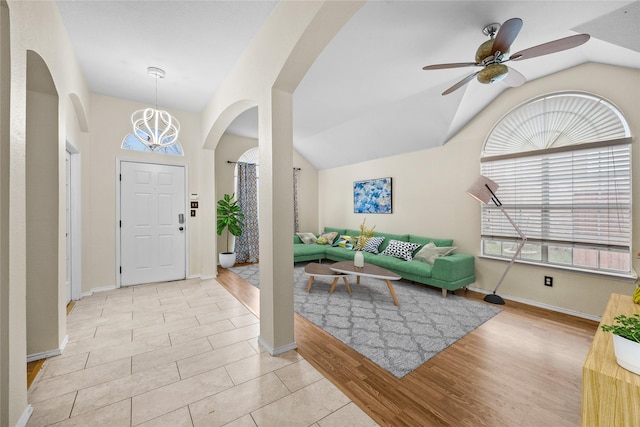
(493, 53)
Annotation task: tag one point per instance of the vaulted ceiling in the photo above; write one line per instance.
(366, 96)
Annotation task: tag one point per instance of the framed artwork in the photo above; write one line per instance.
(372, 196)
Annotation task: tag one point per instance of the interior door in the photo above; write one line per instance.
(153, 224)
(69, 222)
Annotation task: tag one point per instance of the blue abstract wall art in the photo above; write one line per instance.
(372, 196)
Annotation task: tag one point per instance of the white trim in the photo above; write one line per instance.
(540, 305)
(76, 217)
(632, 276)
(277, 351)
(100, 289)
(208, 276)
(24, 418)
(49, 353)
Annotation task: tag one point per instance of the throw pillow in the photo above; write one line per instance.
(307, 238)
(331, 236)
(345, 242)
(430, 252)
(372, 244)
(402, 250)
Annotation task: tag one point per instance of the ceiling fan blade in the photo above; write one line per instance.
(506, 35)
(514, 78)
(551, 47)
(460, 83)
(453, 65)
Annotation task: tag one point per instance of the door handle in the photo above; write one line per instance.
(181, 228)
(181, 218)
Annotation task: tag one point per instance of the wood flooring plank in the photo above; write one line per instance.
(522, 367)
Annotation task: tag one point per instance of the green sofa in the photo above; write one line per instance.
(449, 273)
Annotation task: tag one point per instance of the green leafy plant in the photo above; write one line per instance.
(626, 326)
(230, 217)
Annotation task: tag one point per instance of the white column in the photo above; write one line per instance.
(276, 222)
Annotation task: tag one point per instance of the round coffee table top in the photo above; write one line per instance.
(369, 270)
(320, 270)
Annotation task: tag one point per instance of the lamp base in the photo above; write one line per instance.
(494, 299)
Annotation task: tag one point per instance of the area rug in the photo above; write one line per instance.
(399, 339)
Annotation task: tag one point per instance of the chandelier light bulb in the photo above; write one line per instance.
(155, 128)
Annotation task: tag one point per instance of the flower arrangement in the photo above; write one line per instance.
(626, 326)
(365, 234)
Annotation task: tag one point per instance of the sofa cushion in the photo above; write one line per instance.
(302, 250)
(387, 238)
(330, 236)
(307, 238)
(426, 240)
(339, 231)
(399, 249)
(345, 241)
(372, 244)
(413, 268)
(430, 252)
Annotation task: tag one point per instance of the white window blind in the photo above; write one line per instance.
(574, 198)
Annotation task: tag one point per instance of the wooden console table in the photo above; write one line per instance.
(610, 393)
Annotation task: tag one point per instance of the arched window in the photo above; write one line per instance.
(130, 142)
(563, 164)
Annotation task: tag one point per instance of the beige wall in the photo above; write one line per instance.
(111, 122)
(231, 147)
(429, 193)
(37, 27)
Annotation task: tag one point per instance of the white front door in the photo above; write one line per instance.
(153, 223)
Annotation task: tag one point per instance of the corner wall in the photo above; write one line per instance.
(231, 147)
(429, 193)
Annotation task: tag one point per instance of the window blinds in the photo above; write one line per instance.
(580, 197)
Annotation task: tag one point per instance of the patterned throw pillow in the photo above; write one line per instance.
(330, 237)
(307, 238)
(400, 249)
(430, 252)
(344, 242)
(372, 244)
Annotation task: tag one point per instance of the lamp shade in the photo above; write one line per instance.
(482, 189)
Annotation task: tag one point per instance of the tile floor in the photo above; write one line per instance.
(179, 354)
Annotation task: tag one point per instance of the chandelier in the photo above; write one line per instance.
(155, 128)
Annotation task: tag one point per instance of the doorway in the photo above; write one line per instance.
(152, 223)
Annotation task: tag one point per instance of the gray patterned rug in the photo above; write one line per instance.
(399, 339)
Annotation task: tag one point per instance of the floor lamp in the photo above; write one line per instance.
(484, 190)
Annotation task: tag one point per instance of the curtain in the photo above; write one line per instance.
(296, 224)
(247, 245)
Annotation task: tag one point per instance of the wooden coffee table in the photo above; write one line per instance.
(369, 270)
(313, 269)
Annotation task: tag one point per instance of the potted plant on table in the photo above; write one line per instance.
(230, 217)
(626, 341)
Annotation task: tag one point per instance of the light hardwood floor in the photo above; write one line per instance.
(521, 368)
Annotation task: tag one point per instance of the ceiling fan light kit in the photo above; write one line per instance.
(492, 54)
(492, 73)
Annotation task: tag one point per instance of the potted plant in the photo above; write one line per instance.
(626, 341)
(230, 217)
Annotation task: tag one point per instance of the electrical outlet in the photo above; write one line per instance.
(548, 281)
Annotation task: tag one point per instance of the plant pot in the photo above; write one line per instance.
(627, 353)
(358, 260)
(227, 259)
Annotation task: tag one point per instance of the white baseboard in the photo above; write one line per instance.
(49, 353)
(101, 289)
(24, 418)
(276, 351)
(540, 305)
